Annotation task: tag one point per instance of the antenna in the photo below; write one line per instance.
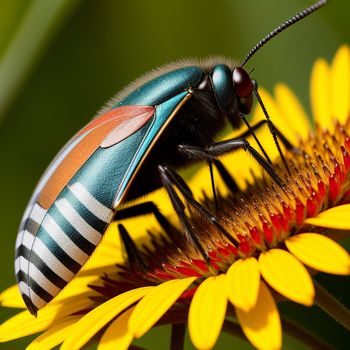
(296, 18)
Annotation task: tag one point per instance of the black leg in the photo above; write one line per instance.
(147, 208)
(210, 163)
(251, 131)
(272, 128)
(130, 247)
(179, 208)
(284, 140)
(169, 180)
(220, 148)
(226, 177)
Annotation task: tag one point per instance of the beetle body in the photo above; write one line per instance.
(110, 161)
(118, 155)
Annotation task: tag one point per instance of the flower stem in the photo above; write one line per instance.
(304, 336)
(332, 306)
(178, 336)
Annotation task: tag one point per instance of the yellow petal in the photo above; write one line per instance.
(320, 253)
(200, 179)
(340, 93)
(270, 105)
(79, 286)
(287, 275)
(337, 218)
(242, 167)
(293, 115)
(155, 304)
(24, 323)
(207, 312)
(320, 94)
(55, 335)
(110, 251)
(96, 319)
(11, 297)
(262, 324)
(242, 283)
(117, 335)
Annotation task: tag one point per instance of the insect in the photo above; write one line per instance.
(135, 145)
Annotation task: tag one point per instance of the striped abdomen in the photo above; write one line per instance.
(53, 245)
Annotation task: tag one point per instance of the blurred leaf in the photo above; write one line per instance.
(11, 12)
(41, 20)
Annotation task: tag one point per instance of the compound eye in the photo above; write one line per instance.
(242, 82)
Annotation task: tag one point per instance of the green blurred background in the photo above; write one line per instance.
(61, 59)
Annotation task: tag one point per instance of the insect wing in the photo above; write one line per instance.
(54, 240)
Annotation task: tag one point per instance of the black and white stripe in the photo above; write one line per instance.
(65, 237)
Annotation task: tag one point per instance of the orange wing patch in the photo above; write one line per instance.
(123, 113)
(107, 130)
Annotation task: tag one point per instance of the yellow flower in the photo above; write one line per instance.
(279, 237)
